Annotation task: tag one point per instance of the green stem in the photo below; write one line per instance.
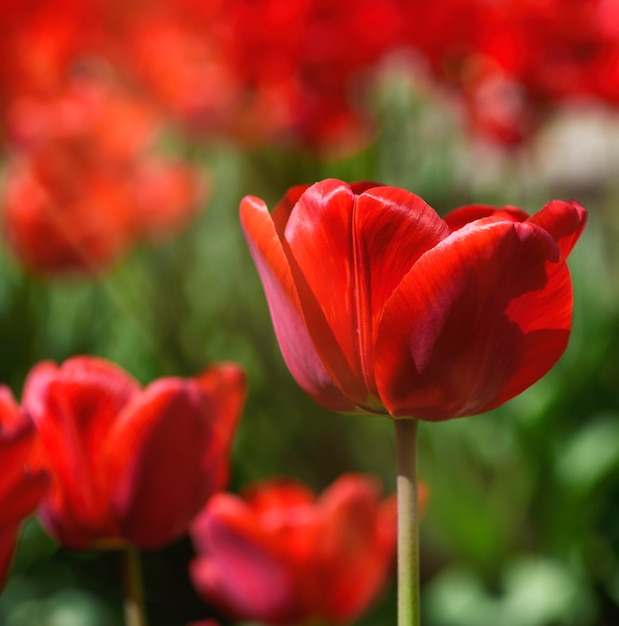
(134, 606)
(408, 523)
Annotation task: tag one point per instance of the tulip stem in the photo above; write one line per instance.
(134, 605)
(408, 523)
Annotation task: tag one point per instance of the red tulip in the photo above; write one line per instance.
(280, 555)
(129, 464)
(21, 488)
(83, 182)
(381, 306)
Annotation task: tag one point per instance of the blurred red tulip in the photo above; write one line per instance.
(129, 464)
(21, 486)
(513, 62)
(82, 183)
(263, 71)
(381, 306)
(280, 555)
(40, 45)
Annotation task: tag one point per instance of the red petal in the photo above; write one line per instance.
(564, 221)
(297, 347)
(12, 419)
(319, 234)
(226, 385)
(281, 213)
(392, 229)
(277, 496)
(74, 407)
(8, 540)
(164, 458)
(242, 570)
(354, 559)
(21, 488)
(477, 320)
(464, 215)
(22, 491)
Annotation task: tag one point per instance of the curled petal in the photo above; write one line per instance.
(479, 318)
(564, 221)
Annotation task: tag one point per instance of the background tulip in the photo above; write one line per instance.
(85, 182)
(278, 554)
(21, 487)
(130, 465)
(380, 306)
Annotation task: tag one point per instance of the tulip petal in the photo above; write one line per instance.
(158, 463)
(353, 559)
(565, 221)
(297, 346)
(277, 496)
(462, 216)
(19, 501)
(226, 385)
(281, 213)
(73, 407)
(242, 570)
(319, 235)
(479, 318)
(8, 540)
(392, 229)
(20, 489)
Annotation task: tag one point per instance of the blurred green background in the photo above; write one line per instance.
(522, 527)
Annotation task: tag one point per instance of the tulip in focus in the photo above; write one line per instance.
(130, 465)
(280, 555)
(381, 306)
(21, 487)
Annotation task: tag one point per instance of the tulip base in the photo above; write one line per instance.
(134, 605)
(408, 523)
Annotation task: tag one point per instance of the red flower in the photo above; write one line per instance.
(381, 306)
(279, 555)
(129, 464)
(21, 488)
(264, 71)
(83, 182)
(512, 63)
